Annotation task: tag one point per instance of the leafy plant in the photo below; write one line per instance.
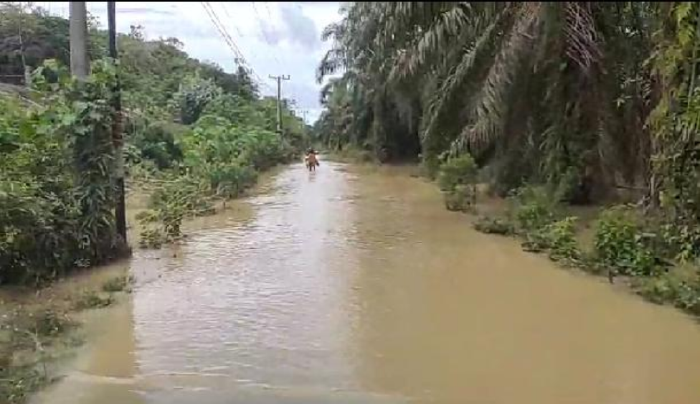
(117, 284)
(493, 225)
(457, 171)
(461, 198)
(93, 300)
(194, 95)
(533, 208)
(151, 238)
(457, 180)
(558, 238)
(619, 244)
(57, 197)
(679, 287)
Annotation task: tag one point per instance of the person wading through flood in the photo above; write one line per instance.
(311, 160)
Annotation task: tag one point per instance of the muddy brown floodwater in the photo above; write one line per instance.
(354, 285)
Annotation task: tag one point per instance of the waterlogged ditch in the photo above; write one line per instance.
(353, 284)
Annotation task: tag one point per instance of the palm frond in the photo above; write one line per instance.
(332, 62)
(581, 35)
(491, 108)
(481, 51)
(448, 25)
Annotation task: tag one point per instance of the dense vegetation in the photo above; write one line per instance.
(553, 103)
(192, 129)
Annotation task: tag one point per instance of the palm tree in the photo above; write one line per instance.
(544, 91)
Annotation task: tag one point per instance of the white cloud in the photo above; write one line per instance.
(275, 38)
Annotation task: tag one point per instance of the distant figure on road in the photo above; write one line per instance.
(311, 160)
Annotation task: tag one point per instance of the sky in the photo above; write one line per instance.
(275, 38)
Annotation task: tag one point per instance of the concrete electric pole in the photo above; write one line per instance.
(79, 63)
(279, 99)
(117, 138)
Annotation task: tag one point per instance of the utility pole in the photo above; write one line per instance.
(79, 65)
(279, 99)
(117, 139)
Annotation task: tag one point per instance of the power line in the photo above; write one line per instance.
(223, 5)
(239, 58)
(264, 33)
(240, 33)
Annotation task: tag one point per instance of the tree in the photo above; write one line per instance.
(546, 92)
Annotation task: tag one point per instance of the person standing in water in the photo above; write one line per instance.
(311, 159)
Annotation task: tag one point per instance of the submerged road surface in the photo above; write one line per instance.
(354, 285)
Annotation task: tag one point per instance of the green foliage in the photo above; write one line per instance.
(156, 141)
(457, 171)
(93, 300)
(680, 242)
(25, 334)
(553, 93)
(18, 383)
(56, 192)
(193, 96)
(57, 199)
(679, 287)
(170, 204)
(150, 237)
(457, 178)
(533, 208)
(494, 225)
(117, 284)
(620, 244)
(461, 198)
(558, 237)
(675, 119)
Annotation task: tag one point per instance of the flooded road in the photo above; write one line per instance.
(354, 285)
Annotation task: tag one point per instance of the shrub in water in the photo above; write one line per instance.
(457, 178)
(117, 284)
(490, 225)
(557, 237)
(457, 171)
(461, 198)
(680, 288)
(534, 208)
(93, 300)
(619, 244)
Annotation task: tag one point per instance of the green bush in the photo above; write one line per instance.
(56, 151)
(679, 241)
(681, 290)
(461, 198)
(170, 205)
(457, 178)
(490, 225)
(193, 96)
(230, 180)
(456, 171)
(620, 243)
(533, 208)
(157, 142)
(18, 383)
(558, 237)
(56, 189)
(93, 300)
(151, 238)
(117, 284)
